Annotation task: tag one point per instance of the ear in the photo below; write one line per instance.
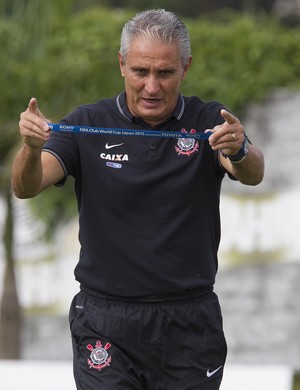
(187, 67)
(121, 64)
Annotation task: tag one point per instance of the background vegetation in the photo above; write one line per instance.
(64, 53)
(71, 60)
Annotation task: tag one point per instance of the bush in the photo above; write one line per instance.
(240, 59)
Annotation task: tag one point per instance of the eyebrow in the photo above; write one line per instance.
(135, 68)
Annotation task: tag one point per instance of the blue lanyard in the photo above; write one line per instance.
(126, 132)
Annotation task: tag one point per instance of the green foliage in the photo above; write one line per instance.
(82, 63)
(187, 8)
(237, 60)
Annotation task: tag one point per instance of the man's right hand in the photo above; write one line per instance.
(33, 126)
(33, 171)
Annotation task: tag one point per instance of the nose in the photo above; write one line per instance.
(152, 85)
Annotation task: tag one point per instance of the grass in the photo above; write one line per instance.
(296, 385)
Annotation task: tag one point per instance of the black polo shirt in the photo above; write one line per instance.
(148, 207)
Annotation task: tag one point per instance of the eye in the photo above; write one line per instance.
(166, 72)
(140, 71)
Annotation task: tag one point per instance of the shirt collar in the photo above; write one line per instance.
(123, 109)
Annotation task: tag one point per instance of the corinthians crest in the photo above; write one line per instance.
(99, 357)
(187, 146)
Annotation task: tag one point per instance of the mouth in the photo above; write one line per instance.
(151, 101)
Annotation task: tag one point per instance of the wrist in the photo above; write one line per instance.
(240, 155)
(33, 149)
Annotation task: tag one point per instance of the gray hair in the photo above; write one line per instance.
(157, 24)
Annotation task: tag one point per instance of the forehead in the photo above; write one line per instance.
(153, 51)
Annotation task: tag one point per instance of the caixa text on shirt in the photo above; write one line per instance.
(114, 157)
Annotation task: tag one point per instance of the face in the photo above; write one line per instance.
(153, 72)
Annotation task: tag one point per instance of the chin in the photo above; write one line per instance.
(153, 114)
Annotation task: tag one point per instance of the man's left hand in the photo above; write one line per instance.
(229, 136)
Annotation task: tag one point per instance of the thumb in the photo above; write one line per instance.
(228, 117)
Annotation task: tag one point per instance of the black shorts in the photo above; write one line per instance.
(164, 344)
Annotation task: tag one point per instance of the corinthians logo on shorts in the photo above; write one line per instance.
(187, 146)
(99, 357)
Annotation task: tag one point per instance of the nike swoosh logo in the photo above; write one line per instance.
(209, 374)
(113, 146)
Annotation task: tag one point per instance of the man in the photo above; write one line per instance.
(146, 316)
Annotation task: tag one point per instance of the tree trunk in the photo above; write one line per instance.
(9, 317)
(10, 312)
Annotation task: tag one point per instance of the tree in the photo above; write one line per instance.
(10, 308)
(23, 30)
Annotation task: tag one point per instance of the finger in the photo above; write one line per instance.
(228, 117)
(29, 127)
(30, 122)
(34, 109)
